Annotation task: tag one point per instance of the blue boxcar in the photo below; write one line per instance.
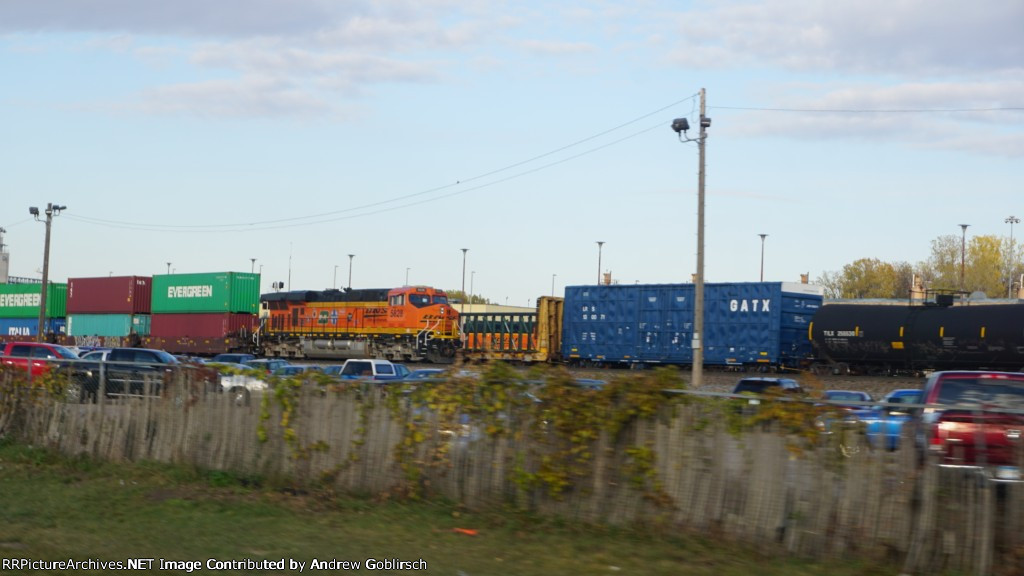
(28, 327)
(750, 323)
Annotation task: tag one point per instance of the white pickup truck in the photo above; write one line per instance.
(370, 369)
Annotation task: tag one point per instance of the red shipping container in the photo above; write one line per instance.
(191, 326)
(110, 295)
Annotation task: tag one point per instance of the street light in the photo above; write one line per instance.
(406, 275)
(1009, 272)
(762, 255)
(472, 275)
(553, 284)
(168, 267)
(51, 211)
(681, 125)
(464, 250)
(963, 252)
(600, 244)
(253, 269)
(350, 257)
(334, 284)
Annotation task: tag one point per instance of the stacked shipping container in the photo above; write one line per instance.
(200, 313)
(19, 309)
(115, 306)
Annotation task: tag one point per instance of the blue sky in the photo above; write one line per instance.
(298, 132)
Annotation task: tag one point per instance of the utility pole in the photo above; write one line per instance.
(697, 377)
(51, 210)
(963, 252)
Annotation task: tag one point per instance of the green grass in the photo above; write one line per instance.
(57, 508)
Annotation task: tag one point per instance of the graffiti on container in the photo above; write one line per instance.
(101, 341)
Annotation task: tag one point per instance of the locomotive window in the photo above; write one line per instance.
(398, 300)
(440, 299)
(419, 300)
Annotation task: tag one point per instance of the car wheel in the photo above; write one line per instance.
(239, 396)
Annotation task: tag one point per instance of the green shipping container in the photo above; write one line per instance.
(22, 300)
(205, 293)
(108, 324)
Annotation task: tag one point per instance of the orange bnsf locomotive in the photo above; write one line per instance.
(410, 324)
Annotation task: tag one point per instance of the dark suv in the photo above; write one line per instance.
(126, 372)
(764, 384)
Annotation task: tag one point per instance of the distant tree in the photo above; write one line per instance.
(460, 296)
(984, 265)
(872, 278)
(832, 283)
(942, 269)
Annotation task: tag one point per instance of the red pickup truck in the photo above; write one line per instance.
(35, 358)
(975, 419)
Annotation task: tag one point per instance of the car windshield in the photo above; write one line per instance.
(981, 392)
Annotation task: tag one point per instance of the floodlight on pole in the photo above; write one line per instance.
(600, 245)
(1010, 268)
(464, 250)
(350, 257)
(51, 211)
(762, 255)
(680, 126)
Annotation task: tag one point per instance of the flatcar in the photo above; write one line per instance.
(910, 338)
(410, 324)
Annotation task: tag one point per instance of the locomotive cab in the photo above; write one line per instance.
(427, 309)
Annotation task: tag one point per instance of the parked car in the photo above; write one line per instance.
(267, 364)
(422, 374)
(295, 370)
(973, 419)
(884, 422)
(858, 400)
(239, 381)
(233, 357)
(368, 368)
(35, 358)
(401, 370)
(767, 385)
(124, 372)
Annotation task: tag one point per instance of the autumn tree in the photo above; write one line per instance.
(872, 278)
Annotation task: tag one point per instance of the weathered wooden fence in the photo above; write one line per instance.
(684, 469)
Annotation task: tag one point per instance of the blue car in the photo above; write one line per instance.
(884, 423)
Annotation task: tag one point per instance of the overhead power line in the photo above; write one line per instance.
(397, 202)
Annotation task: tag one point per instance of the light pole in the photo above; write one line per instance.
(406, 275)
(334, 284)
(50, 212)
(472, 276)
(1009, 271)
(681, 125)
(553, 284)
(168, 267)
(253, 269)
(963, 252)
(350, 257)
(762, 255)
(600, 245)
(464, 250)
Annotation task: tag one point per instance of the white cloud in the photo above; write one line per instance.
(246, 97)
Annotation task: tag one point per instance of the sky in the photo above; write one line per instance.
(196, 136)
